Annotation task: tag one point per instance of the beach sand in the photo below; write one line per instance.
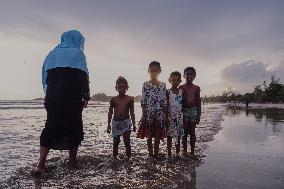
(22, 122)
(235, 149)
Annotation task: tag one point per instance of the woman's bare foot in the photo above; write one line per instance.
(72, 162)
(192, 151)
(37, 171)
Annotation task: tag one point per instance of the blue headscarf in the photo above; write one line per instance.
(69, 53)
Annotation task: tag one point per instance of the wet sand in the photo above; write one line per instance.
(248, 152)
(243, 151)
(22, 122)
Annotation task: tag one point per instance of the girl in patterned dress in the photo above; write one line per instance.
(175, 116)
(154, 108)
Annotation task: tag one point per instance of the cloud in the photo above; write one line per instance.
(251, 72)
(279, 70)
(121, 38)
(190, 28)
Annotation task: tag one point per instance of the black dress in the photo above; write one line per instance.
(66, 90)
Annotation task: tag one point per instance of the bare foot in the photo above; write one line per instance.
(37, 171)
(72, 162)
(128, 158)
(178, 156)
(170, 159)
(150, 156)
(185, 154)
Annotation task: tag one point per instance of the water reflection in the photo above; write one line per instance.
(248, 152)
(270, 116)
(191, 184)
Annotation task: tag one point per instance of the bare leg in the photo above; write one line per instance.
(43, 154)
(184, 138)
(73, 155)
(184, 143)
(156, 147)
(116, 141)
(126, 139)
(192, 138)
(177, 146)
(169, 146)
(150, 147)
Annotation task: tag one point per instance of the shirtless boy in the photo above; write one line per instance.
(118, 117)
(191, 108)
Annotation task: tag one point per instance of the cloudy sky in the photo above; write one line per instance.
(230, 43)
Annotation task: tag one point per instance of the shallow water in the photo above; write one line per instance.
(247, 153)
(21, 123)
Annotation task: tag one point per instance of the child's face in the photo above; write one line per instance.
(121, 88)
(189, 76)
(175, 81)
(154, 71)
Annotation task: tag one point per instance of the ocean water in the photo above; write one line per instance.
(248, 152)
(21, 123)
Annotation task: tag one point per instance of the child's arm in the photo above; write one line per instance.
(183, 96)
(167, 112)
(165, 103)
(110, 112)
(84, 81)
(132, 114)
(143, 118)
(198, 105)
(143, 102)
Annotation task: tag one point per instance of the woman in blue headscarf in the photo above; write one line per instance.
(66, 85)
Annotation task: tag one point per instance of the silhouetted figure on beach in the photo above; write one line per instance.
(247, 103)
(175, 116)
(154, 110)
(119, 122)
(66, 84)
(191, 108)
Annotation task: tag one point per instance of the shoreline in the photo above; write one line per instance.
(258, 105)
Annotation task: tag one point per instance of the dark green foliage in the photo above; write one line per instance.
(263, 93)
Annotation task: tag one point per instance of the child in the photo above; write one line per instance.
(154, 105)
(191, 108)
(175, 127)
(120, 107)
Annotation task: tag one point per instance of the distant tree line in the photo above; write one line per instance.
(102, 97)
(272, 92)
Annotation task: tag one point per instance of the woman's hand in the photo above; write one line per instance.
(108, 129)
(143, 120)
(198, 120)
(85, 103)
(134, 128)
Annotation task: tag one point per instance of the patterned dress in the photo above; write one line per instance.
(155, 101)
(175, 128)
